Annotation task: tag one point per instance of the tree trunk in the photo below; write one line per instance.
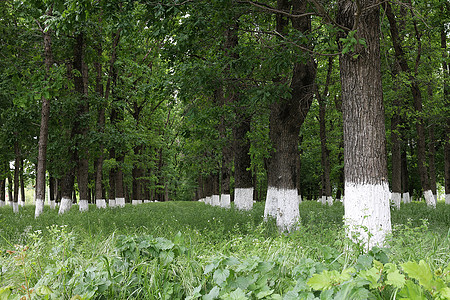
(16, 176)
(2, 191)
(446, 71)
(286, 117)
(52, 191)
(120, 192)
(243, 184)
(43, 130)
(325, 153)
(367, 212)
(417, 98)
(22, 183)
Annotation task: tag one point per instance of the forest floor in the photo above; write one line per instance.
(188, 250)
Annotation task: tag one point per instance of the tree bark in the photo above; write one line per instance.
(325, 153)
(286, 117)
(446, 76)
(43, 130)
(366, 186)
(16, 175)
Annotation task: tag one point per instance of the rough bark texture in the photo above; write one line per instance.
(366, 185)
(286, 117)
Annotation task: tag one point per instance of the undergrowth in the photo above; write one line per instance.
(187, 250)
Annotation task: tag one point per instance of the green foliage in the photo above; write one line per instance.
(170, 251)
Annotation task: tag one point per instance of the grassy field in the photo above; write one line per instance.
(188, 250)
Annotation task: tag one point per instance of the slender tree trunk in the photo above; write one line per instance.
(417, 98)
(446, 76)
(396, 157)
(405, 177)
(81, 129)
(112, 181)
(325, 153)
(2, 191)
(52, 191)
(367, 212)
(120, 191)
(22, 183)
(286, 117)
(16, 176)
(43, 130)
(243, 183)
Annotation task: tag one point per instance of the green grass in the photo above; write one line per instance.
(176, 250)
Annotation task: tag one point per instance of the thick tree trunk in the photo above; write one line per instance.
(120, 192)
(286, 117)
(43, 130)
(367, 212)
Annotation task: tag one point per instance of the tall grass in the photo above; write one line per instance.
(165, 250)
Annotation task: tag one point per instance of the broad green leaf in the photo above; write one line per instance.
(5, 292)
(213, 294)
(420, 271)
(396, 279)
(220, 276)
(323, 281)
(444, 293)
(238, 294)
(372, 275)
(411, 291)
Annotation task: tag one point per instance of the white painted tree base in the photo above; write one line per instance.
(100, 203)
(447, 198)
(120, 202)
(367, 211)
(208, 200)
(111, 203)
(21, 203)
(65, 205)
(39, 207)
(215, 200)
(83, 205)
(396, 198)
(15, 206)
(52, 204)
(2, 203)
(323, 200)
(146, 201)
(270, 209)
(288, 214)
(243, 198)
(329, 200)
(299, 198)
(225, 200)
(406, 198)
(429, 198)
(136, 202)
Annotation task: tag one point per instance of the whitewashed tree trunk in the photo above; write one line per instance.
(330, 200)
(2, 203)
(406, 198)
(15, 206)
(299, 198)
(39, 207)
(120, 202)
(136, 202)
(111, 203)
(429, 198)
(52, 204)
(323, 200)
(83, 205)
(367, 212)
(225, 200)
(66, 204)
(215, 200)
(447, 198)
(396, 198)
(288, 214)
(147, 201)
(243, 199)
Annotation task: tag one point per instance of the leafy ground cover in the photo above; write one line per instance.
(187, 250)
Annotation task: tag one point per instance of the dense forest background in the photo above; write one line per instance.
(171, 100)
